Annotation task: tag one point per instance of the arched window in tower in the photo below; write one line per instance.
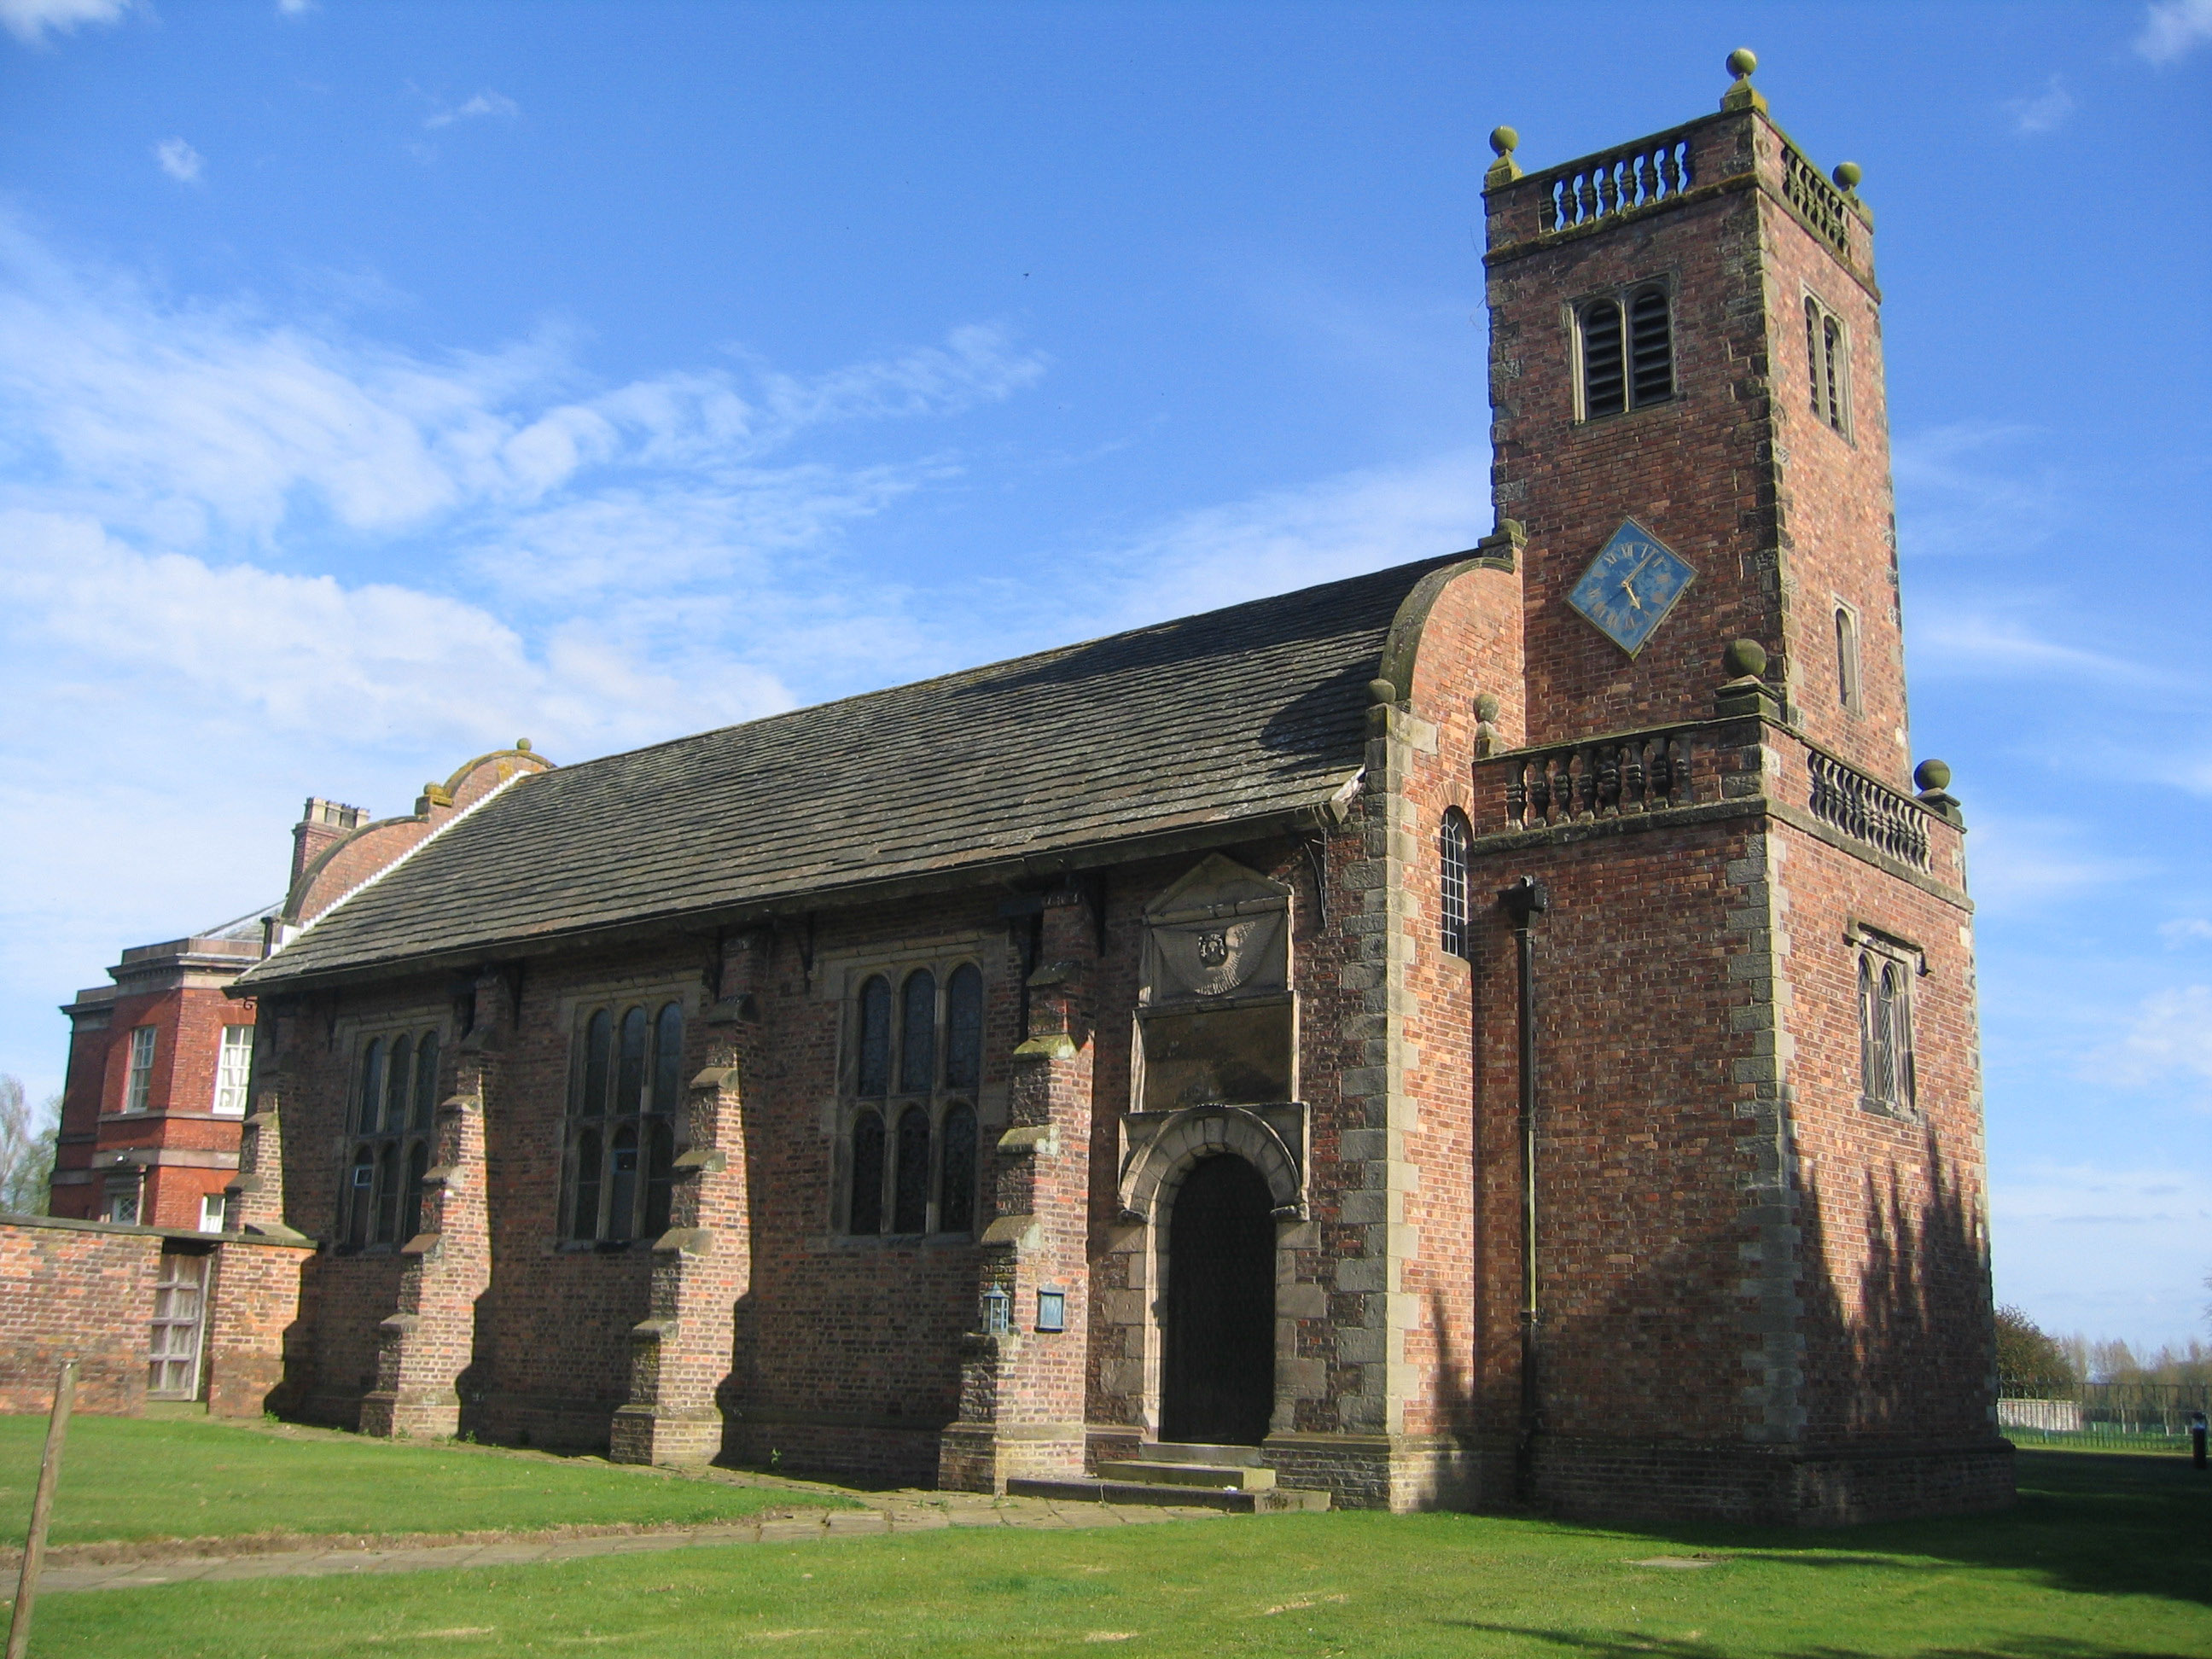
(866, 1215)
(1452, 838)
(1604, 383)
(1828, 367)
(1886, 1082)
(1650, 347)
(1847, 658)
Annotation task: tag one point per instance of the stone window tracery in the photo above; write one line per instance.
(626, 1086)
(909, 1142)
(395, 1106)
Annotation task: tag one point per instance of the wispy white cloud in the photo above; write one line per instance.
(295, 7)
(1961, 642)
(1969, 488)
(2020, 864)
(2042, 112)
(2172, 29)
(2183, 930)
(31, 21)
(2168, 1046)
(179, 161)
(485, 103)
(1281, 539)
(191, 494)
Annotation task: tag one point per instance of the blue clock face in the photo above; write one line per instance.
(1631, 586)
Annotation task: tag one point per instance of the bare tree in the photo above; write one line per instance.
(27, 1148)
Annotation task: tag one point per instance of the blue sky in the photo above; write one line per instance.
(379, 383)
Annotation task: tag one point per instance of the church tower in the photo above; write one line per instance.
(1730, 1212)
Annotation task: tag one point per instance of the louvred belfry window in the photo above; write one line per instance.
(625, 1089)
(1626, 345)
(909, 1144)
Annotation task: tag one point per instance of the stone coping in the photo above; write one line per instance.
(70, 1223)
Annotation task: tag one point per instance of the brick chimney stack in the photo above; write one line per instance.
(322, 823)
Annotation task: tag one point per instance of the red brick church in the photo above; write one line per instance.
(1497, 1030)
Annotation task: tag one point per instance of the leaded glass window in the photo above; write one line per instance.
(909, 1150)
(394, 1122)
(1452, 839)
(626, 1090)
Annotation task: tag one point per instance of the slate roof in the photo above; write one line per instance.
(1233, 715)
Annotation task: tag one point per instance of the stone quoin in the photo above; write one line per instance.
(1495, 1031)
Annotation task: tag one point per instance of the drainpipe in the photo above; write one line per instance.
(1524, 902)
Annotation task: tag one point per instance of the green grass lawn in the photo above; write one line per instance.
(2104, 1559)
(133, 1478)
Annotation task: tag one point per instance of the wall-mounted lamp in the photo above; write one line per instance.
(1052, 1310)
(998, 1312)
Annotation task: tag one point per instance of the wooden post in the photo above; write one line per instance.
(42, 1509)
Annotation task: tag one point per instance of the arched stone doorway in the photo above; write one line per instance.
(1217, 1372)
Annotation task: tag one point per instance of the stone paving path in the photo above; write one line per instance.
(886, 1512)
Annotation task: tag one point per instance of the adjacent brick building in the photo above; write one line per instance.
(157, 1084)
(1496, 1030)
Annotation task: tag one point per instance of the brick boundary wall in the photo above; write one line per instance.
(85, 1290)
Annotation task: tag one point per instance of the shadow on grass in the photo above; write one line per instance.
(1629, 1645)
(2103, 1524)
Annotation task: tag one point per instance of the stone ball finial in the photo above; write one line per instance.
(1485, 705)
(1933, 775)
(1746, 659)
(1504, 140)
(1847, 175)
(1382, 691)
(1741, 62)
(523, 744)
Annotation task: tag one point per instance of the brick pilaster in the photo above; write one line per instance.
(1022, 1393)
(681, 1352)
(429, 1339)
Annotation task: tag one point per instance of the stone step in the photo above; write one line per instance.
(1228, 1477)
(1176, 1451)
(1281, 1500)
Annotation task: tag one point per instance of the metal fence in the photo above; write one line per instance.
(2125, 1416)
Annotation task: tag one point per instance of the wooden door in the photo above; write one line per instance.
(173, 1371)
(1218, 1379)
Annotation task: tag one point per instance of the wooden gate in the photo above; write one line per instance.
(1218, 1384)
(173, 1371)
